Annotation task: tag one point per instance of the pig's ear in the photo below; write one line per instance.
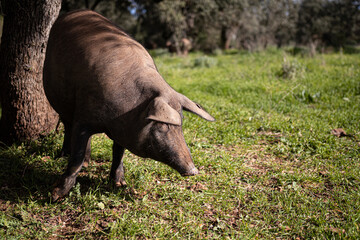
(161, 111)
(193, 107)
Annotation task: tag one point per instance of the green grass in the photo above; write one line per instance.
(269, 166)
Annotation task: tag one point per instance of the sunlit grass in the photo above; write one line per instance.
(269, 165)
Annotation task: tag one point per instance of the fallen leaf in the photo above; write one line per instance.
(198, 187)
(338, 132)
(287, 228)
(337, 230)
(46, 158)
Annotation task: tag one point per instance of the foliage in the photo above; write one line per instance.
(169, 12)
(241, 24)
(312, 23)
(205, 61)
(333, 23)
(116, 10)
(291, 69)
(269, 166)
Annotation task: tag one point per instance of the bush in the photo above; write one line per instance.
(205, 61)
(159, 52)
(350, 49)
(291, 69)
(297, 50)
(217, 52)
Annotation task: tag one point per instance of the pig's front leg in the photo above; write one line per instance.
(66, 149)
(79, 141)
(117, 168)
(87, 153)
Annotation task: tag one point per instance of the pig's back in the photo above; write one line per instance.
(89, 62)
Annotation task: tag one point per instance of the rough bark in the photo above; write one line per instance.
(26, 113)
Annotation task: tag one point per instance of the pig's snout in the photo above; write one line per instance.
(192, 172)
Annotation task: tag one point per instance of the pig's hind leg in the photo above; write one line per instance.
(117, 168)
(79, 141)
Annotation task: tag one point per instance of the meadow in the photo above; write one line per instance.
(281, 161)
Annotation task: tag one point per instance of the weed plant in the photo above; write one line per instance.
(205, 61)
(270, 166)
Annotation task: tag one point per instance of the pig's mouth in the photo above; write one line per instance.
(192, 172)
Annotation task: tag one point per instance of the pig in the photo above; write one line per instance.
(100, 80)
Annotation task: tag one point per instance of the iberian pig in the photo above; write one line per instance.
(99, 79)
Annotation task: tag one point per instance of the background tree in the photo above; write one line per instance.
(251, 32)
(149, 30)
(202, 27)
(344, 18)
(116, 10)
(26, 113)
(278, 22)
(286, 29)
(171, 14)
(250, 25)
(312, 23)
(229, 16)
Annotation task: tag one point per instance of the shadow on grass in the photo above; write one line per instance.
(29, 171)
(26, 172)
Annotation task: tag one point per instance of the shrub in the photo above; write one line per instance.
(291, 69)
(159, 52)
(205, 61)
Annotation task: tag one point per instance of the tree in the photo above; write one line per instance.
(230, 14)
(170, 13)
(344, 19)
(312, 23)
(212, 24)
(278, 19)
(149, 30)
(68, 5)
(26, 113)
(115, 10)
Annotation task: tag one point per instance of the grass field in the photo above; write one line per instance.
(270, 166)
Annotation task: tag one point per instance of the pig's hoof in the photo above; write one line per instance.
(63, 188)
(59, 193)
(120, 184)
(56, 194)
(118, 179)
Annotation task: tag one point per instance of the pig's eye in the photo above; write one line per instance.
(162, 127)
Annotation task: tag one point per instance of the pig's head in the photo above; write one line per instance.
(162, 138)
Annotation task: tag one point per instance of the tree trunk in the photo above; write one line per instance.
(313, 45)
(26, 113)
(224, 38)
(227, 34)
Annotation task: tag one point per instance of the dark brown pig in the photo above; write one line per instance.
(100, 80)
